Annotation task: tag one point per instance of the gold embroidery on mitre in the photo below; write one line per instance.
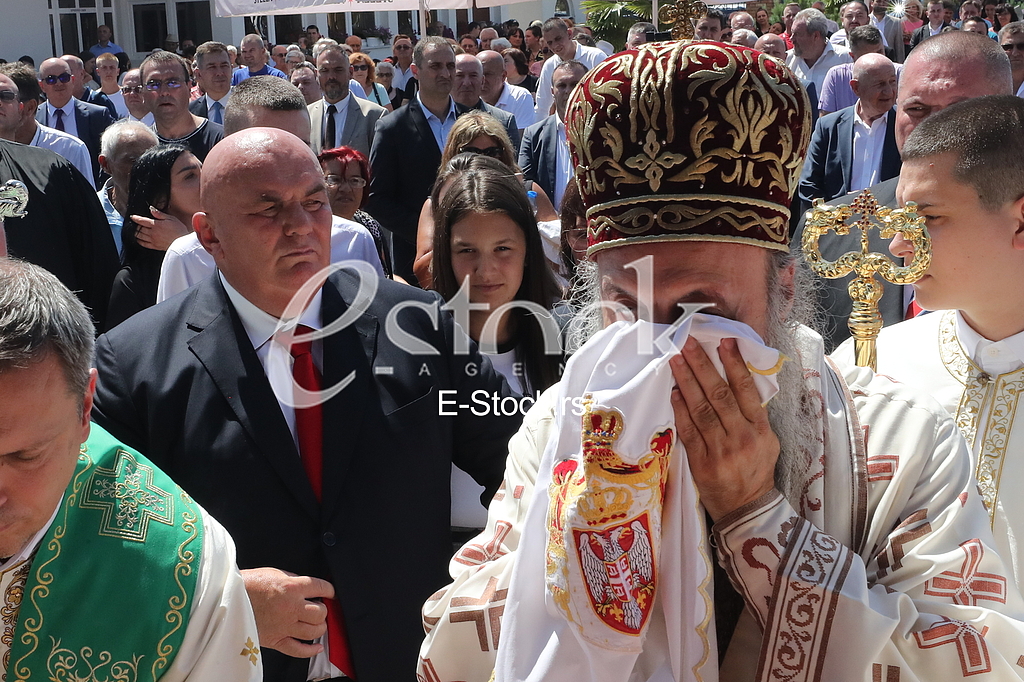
(997, 396)
(747, 112)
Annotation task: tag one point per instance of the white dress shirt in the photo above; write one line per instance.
(437, 126)
(146, 120)
(187, 263)
(66, 145)
(995, 357)
(401, 79)
(868, 143)
(830, 57)
(340, 118)
(223, 105)
(563, 164)
(277, 362)
(588, 56)
(70, 124)
(518, 102)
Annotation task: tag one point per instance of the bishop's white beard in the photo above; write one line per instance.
(791, 411)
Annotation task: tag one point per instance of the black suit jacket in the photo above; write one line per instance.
(828, 170)
(65, 229)
(199, 107)
(404, 159)
(181, 382)
(505, 118)
(91, 120)
(832, 295)
(538, 154)
(922, 33)
(100, 99)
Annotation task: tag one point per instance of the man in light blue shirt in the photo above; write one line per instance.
(121, 144)
(104, 42)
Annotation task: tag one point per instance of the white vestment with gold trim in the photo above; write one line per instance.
(980, 383)
(883, 568)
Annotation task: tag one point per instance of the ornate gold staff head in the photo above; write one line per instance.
(865, 290)
(681, 15)
(13, 199)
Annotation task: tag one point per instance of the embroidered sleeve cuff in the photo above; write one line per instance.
(751, 542)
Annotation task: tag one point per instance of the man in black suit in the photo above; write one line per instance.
(545, 144)
(82, 92)
(68, 114)
(946, 69)
(406, 151)
(186, 382)
(213, 74)
(855, 147)
(934, 26)
(469, 80)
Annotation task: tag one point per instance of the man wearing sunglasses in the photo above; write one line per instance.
(1011, 39)
(66, 113)
(166, 86)
(131, 89)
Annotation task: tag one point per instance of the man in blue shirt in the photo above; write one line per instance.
(104, 44)
(254, 56)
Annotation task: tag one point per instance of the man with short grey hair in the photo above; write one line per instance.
(254, 56)
(637, 34)
(121, 145)
(741, 19)
(1011, 39)
(486, 36)
(812, 55)
(744, 37)
(836, 92)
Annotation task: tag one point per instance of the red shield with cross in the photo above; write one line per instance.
(618, 565)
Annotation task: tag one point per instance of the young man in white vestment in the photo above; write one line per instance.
(658, 521)
(964, 168)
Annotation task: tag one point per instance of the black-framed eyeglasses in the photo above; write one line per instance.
(403, 47)
(8, 96)
(172, 84)
(1010, 47)
(132, 90)
(493, 152)
(52, 80)
(361, 67)
(355, 182)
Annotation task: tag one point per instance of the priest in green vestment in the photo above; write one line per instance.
(108, 570)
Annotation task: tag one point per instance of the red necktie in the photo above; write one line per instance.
(309, 429)
(913, 310)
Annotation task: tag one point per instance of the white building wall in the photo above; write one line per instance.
(25, 29)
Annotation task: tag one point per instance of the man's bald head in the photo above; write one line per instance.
(871, 65)
(945, 69)
(266, 218)
(771, 45)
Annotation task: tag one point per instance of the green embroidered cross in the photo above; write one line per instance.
(128, 499)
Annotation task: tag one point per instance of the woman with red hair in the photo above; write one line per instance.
(347, 174)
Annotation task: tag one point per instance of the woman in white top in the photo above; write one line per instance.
(364, 72)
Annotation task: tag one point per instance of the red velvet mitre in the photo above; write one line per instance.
(688, 140)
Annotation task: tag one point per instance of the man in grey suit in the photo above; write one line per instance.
(890, 28)
(68, 114)
(544, 155)
(340, 118)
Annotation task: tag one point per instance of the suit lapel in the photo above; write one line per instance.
(223, 348)
(353, 119)
(846, 147)
(349, 351)
(419, 119)
(551, 153)
(83, 122)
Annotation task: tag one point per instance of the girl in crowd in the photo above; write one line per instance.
(517, 70)
(1005, 14)
(487, 240)
(164, 186)
(763, 21)
(347, 174)
(517, 38)
(478, 133)
(385, 72)
(363, 71)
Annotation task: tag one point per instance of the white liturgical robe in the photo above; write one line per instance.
(978, 382)
(881, 567)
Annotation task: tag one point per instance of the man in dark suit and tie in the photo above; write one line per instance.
(66, 113)
(949, 68)
(406, 151)
(213, 74)
(544, 154)
(469, 80)
(339, 117)
(855, 147)
(339, 505)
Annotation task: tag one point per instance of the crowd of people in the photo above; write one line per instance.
(498, 358)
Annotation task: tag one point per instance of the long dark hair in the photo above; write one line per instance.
(150, 185)
(486, 185)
